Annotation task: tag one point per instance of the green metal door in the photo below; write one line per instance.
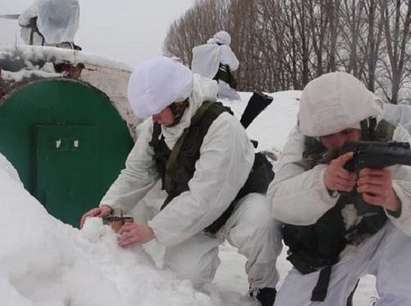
(62, 153)
(67, 142)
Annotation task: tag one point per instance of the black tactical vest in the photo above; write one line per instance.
(176, 167)
(318, 246)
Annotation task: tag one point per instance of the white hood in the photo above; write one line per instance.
(222, 38)
(334, 102)
(156, 83)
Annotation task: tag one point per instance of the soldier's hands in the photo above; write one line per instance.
(375, 185)
(133, 233)
(101, 212)
(336, 178)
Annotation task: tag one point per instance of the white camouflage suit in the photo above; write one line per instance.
(208, 57)
(57, 21)
(300, 197)
(226, 157)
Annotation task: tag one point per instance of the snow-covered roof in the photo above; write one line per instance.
(36, 54)
(22, 64)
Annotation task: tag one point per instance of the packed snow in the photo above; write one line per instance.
(44, 262)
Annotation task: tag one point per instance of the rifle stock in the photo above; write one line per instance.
(257, 103)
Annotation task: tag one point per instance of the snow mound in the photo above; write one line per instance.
(272, 126)
(48, 263)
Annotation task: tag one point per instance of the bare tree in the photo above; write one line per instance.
(396, 16)
(373, 43)
(196, 26)
(243, 26)
(283, 44)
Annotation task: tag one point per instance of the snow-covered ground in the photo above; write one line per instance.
(44, 262)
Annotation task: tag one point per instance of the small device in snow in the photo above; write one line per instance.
(116, 222)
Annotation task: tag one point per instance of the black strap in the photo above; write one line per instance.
(35, 30)
(171, 167)
(320, 290)
(351, 296)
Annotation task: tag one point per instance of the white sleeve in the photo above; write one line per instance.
(206, 60)
(138, 177)
(402, 188)
(227, 57)
(226, 157)
(298, 197)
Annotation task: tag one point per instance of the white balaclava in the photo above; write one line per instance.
(334, 102)
(156, 83)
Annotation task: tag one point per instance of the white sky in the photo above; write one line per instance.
(124, 30)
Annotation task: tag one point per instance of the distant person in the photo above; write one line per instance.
(215, 60)
(193, 180)
(51, 23)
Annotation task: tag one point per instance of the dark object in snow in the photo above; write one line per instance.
(257, 103)
(69, 70)
(116, 222)
(16, 62)
(68, 45)
(266, 296)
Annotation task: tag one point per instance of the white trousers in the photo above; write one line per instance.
(387, 255)
(250, 228)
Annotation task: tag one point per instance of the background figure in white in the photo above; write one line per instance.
(51, 23)
(215, 60)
